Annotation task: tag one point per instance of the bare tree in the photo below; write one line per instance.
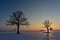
(17, 18)
(47, 24)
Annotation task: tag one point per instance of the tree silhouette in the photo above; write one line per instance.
(47, 24)
(17, 18)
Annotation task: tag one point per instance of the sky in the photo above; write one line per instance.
(36, 11)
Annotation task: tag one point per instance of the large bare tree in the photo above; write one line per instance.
(17, 18)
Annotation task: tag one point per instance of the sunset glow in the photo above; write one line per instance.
(35, 12)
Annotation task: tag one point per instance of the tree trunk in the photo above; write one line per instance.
(47, 30)
(18, 28)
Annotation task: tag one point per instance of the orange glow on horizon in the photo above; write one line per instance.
(41, 27)
(34, 26)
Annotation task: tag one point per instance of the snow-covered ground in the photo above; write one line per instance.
(29, 36)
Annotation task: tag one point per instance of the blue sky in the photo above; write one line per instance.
(35, 10)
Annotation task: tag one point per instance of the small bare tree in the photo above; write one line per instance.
(47, 24)
(17, 18)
